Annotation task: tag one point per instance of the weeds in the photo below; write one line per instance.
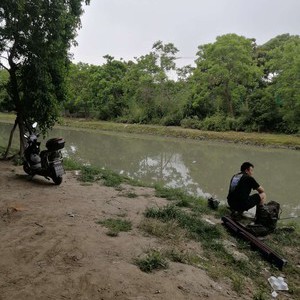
(130, 195)
(182, 198)
(195, 226)
(165, 230)
(71, 164)
(115, 226)
(184, 257)
(153, 260)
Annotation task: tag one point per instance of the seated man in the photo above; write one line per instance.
(241, 185)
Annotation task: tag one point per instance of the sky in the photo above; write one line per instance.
(128, 28)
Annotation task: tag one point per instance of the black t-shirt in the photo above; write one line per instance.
(240, 187)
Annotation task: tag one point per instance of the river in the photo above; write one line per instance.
(200, 167)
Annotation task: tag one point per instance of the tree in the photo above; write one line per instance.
(35, 37)
(108, 86)
(80, 94)
(149, 90)
(283, 63)
(5, 103)
(226, 73)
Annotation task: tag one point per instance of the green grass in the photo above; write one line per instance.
(115, 225)
(89, 174)
(266, 139)
(197, 228)
(220, 263)
(166, 231)
(152, 260)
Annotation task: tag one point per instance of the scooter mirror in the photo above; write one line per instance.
(34, 125)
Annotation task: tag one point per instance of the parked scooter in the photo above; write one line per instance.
(47, 163)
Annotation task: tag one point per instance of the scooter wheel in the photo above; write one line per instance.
(57, 180)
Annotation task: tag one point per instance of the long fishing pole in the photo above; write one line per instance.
(287, 218)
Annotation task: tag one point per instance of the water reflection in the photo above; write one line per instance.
(200, 167)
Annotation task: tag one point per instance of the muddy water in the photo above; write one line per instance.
(200, 167)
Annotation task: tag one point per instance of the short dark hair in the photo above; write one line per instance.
(246, 165)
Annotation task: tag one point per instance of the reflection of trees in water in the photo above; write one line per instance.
(169, 169)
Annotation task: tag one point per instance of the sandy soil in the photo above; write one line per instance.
(52, 248)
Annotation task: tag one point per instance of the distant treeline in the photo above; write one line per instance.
(235, 85)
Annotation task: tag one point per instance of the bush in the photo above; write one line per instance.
(193, 123)
(215, 123)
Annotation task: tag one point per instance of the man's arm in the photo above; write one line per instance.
(262, 194)
(260, 189)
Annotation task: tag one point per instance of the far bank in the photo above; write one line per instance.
(260, 139)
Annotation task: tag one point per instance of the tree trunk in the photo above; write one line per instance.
(22, 138)
(10, 139)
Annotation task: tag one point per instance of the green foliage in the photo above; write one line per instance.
(284, 65)
(182, 198)
(154, 260)
(116, 225)
(35, 39)
(5, 102)
(224, 75)
(91, 174)
(70, 164)
(236, 85)
(197, 228)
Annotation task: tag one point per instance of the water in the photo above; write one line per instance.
(200, 167)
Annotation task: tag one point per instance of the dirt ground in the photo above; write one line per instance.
(52, 248)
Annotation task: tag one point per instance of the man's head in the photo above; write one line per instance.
(247, 167)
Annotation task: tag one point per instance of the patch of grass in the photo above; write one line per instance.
(260, 295)
(71, 164)
(184, 257)
(153, 260)
(182, 198)
(192, 223)
(165, 230)
(238, 283)
(130, 195)
(115, 225)
(93, 174)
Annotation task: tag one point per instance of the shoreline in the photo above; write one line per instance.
(271, 140)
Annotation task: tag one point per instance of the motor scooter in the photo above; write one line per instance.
(47, 163)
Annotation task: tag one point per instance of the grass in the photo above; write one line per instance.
(152, 260)
(115, 226)
(197, 229)
(89, 174)
(265, 139)
(218, 262)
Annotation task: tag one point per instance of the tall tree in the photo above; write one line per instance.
(226, 71)
(283, 63)
(35, 37)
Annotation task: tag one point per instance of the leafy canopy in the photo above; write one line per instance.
(35, 39)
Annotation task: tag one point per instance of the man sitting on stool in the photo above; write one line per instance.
(241, 185)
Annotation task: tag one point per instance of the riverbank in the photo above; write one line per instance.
(101, 236)
(260, 139)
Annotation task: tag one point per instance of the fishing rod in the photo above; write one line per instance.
(287, 218)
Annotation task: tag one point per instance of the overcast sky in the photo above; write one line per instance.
(128, 28)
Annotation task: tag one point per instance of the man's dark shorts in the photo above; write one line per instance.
(252, 201)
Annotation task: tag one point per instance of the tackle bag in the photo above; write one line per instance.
(266, 219)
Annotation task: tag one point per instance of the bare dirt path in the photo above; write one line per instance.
(52, 248)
